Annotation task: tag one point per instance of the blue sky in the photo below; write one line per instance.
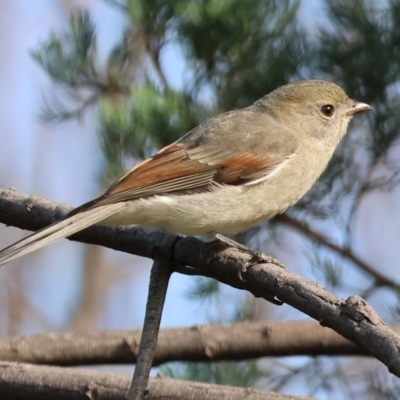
(61, 162)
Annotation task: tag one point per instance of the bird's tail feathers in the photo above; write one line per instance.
(59, 230)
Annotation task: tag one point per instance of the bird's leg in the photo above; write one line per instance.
(257, 256)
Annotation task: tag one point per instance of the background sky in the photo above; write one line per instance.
(61, 162)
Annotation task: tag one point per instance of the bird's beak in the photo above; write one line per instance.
(357, 108)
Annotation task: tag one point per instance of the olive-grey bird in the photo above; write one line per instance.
(232, 172)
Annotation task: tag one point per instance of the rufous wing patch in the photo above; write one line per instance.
(177, 169)
(167, 171)
(246, 167)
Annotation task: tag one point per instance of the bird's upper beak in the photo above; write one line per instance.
(357, 108)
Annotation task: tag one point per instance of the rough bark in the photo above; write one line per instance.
(33, 382)
(234, 342)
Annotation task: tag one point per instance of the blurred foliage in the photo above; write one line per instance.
(241, 49)
(235, 52)
(364, 50)
(72, 62)
(243, 374)
(136, 128)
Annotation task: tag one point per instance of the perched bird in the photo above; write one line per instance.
(230, 173)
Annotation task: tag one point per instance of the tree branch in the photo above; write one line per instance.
(353, 318)
(234, 342)
(32, 382)
(159, 278)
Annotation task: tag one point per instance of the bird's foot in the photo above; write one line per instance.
(257, 256)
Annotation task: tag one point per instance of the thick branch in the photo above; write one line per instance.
(32, 382)
(353, 318)
(235, 342)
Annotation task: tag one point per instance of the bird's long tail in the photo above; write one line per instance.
(59, 230)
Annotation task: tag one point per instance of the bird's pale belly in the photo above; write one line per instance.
(227, 209)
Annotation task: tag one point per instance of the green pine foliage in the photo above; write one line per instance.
(146, 121)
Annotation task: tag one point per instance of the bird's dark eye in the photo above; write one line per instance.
(328, 110)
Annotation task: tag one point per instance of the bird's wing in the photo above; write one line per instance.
(179, 168)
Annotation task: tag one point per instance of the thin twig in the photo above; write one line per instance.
(345, 252)
(159, 278)
(154, 54)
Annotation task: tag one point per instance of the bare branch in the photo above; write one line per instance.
(32, 382)
(234, 342)
(159, 279)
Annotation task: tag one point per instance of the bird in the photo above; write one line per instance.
(230, 173)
